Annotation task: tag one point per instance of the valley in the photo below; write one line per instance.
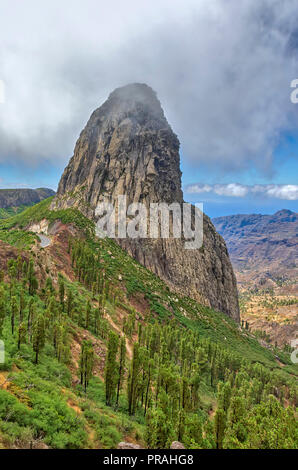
(263, 250)
(15, 201)
(138, 342)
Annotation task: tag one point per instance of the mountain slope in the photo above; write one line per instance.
(262, 246)
(14, 201)
(128, 148)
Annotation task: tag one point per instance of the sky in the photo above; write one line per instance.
(222, 70)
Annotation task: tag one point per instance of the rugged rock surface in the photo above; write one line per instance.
(128, 445)
(128, 148)
(20, 197)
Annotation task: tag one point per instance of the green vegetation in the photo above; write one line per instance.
(90, 257)
(42, 211)
(38, 327)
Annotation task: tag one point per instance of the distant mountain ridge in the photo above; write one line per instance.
(15, 200)
(265, 244)
(128, 148)
(17, 197)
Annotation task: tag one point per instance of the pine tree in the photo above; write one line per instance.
(19, 266)
(87, 316)
(21, 334)
(133, 379)
(61, 292)
(149, 379)
(224, 396)
(22, 304)
(159, 430)
(12, 269)
(2, 308)
(69, 303)
(219, 427)
(25, 269)
(14, 310)
(49, 286)
(32, 281)
(30, 318)
(86, 363)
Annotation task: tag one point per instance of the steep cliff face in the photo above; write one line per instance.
(128, 148)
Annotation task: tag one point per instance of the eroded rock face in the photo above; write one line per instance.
(128, 148)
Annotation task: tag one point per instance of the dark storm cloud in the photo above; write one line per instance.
(222, 70)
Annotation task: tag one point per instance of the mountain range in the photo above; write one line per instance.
(129, 343)
(13, 201)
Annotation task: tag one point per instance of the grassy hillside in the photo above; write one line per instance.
(183, 371)
(13, 229)
(11, 211)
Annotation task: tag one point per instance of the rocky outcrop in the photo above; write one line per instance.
(23, 197)
(128, 148)
(263, 248)
(128, 445)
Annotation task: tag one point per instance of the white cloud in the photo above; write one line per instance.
(198, 188)
(222, 70)
(278, 191)
(232, 189)
(287, 191)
